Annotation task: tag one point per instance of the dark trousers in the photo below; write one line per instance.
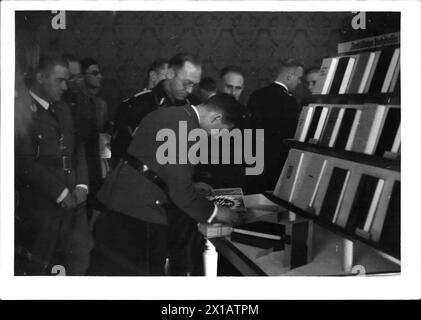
(43, 241)
(125, 246)
(185, 244)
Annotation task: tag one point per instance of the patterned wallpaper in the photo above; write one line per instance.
(125, 43)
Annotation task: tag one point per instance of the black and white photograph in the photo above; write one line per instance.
(210, 143)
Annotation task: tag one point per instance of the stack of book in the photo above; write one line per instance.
(261, 234)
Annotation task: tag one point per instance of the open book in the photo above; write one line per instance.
(232, 198)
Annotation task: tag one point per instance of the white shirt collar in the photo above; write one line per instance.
(41, 101)
(197, 112)
(281, 84)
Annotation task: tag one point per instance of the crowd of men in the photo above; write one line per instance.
(90, 194)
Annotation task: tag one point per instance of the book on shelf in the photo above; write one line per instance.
(326, 134)
(345, 128)
(309, 181)
(358, 72)
(389, 130)
(334, 194)
(394, 64)
(287, 180)
(367, 132)
(353, 131)
(368, 71)
(381, 69)
(326, 73)
(339, 75)
(336, 127)
(396, 146)
(363, 201)
(261, 234)
(395, 82)
(321, 123)
(353, 60)
(390, 235)
(314, 122)
(303, 123)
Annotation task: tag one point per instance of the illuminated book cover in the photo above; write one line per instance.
(232, 198)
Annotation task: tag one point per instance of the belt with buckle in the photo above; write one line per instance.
(64, 162)
(145, 171)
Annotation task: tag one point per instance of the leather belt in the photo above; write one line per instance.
(64, 162)
(145, 171)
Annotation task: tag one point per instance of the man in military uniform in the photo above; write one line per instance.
(51, 173)
(183, 74)
(131, 191)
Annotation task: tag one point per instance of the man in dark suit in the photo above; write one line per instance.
(183, 74)
(274, 109)
(51, 173)
(129, 192)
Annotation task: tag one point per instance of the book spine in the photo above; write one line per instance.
(321, 123)
(336, 127)
(329, 76)
(366, 72)
(355, 125)
(375, 130)
(390, 71)
(347, 75)
(373, 205)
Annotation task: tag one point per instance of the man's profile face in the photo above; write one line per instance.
(184, 79)
(53, 82)
(311, 79)
(295, 78)
(233, 84)
(93, 76)
(75, 75)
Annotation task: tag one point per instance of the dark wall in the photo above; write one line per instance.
(125, 43)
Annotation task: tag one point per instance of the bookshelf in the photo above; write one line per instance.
(343, 167)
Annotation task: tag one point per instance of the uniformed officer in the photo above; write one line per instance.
(183, 74)
(138, 189)
(51, 172)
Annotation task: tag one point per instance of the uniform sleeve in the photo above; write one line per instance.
(184, 195)
(81, 165)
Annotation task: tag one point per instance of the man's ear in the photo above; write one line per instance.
(152, 75)
(216, 117)
(170, 73)
(39, 77)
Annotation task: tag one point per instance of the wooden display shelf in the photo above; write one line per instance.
(378, 98)
(367, 159)
(327, 225)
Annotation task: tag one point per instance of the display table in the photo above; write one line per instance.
(326, 257)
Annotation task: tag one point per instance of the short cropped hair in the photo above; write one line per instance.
(70, 57)
(208, 84)
(312, 70)
(289, 64)
(177, 61)
(85, 63)
(157, 64)
(231, 69)
(231, 110)
(50, 60)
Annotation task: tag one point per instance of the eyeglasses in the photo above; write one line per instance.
(94, 73)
